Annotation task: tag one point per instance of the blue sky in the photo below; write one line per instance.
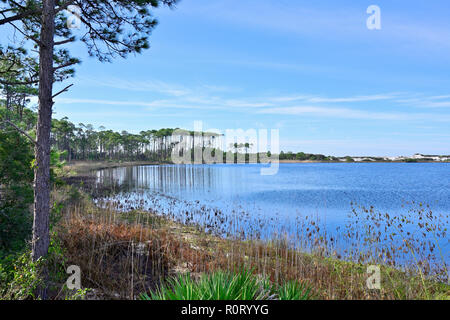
(311, 69)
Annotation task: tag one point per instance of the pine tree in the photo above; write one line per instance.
(110, 29)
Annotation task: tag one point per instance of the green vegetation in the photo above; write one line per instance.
(126, 254)
(19, 277)
(83, 142)
(112, 31)
(349, 159)
(240, 285)
(16, 192)
(123, 254)
(301, 156)
(183, 257)
(294, 290)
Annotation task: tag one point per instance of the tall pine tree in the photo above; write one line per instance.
(109, 29)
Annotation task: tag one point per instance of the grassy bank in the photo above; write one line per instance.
(139, 254)
(126, 254)
(82, 168)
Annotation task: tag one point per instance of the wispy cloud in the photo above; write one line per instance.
(216, 97)
(377, 97)
(212, 97)
(102, 102)
(442, 101)
(143, 86)
(153, 105)
(321, 99)
(347, 113)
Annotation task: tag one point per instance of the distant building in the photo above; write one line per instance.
(419, 156)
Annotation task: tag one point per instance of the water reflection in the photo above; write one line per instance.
(235, 200)
(188, 180)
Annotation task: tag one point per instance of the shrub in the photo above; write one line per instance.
(19, 277)
(217, 286)
(16, 193)
(242, 285)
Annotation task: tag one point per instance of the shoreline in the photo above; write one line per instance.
(312, 161)
(205, 253)
(82, 166)
(87, 166)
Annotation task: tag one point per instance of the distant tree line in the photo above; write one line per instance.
(84, 142)
(301, 156)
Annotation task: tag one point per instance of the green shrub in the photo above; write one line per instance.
(217, 286)
(242, 285)
(19, 277)
(16, 192)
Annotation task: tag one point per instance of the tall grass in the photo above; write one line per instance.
(124, 250)
(294, 290)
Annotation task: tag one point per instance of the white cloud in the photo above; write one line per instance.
(353, 99)
(320, 99)
(347, 113)
(144, 86)
(422, 101)
(102, 102)
(210, 97)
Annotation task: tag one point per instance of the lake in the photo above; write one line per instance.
(235, 199)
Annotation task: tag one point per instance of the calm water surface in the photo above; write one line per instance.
(273, 203)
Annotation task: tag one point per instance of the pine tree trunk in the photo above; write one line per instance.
(42, 150)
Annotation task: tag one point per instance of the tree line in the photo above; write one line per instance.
(84, 142)
(301, 156)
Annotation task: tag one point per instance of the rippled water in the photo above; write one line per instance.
(272, 203)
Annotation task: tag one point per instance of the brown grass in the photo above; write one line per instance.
(118, 259)
(122, 257)
(122, 254)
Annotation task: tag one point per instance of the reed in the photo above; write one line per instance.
(132, 245)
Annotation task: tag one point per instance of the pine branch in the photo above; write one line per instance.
(62, 91)
(21, 131)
